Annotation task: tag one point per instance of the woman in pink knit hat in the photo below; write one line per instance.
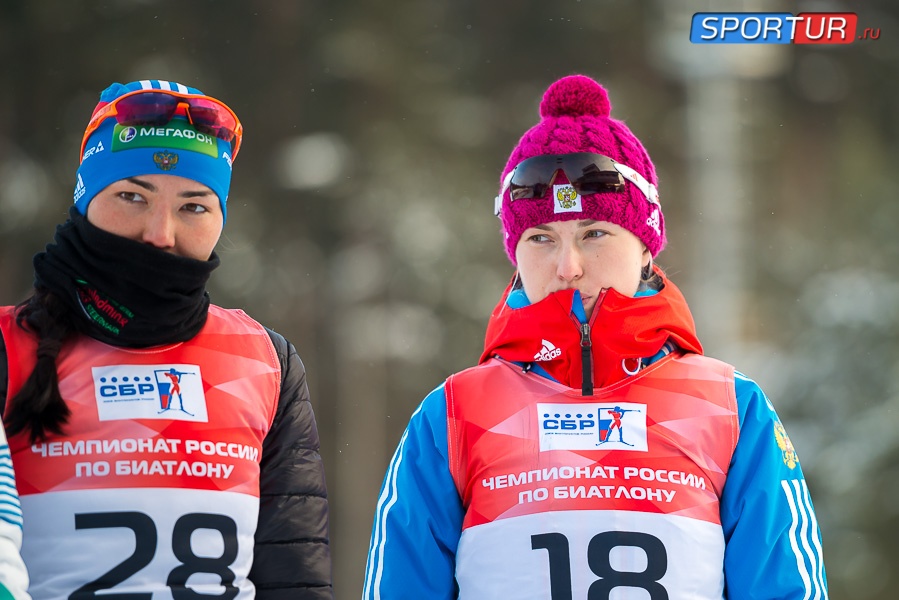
(594, 452)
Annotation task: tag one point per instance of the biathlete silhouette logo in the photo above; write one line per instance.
(608, 425)
(169, 384)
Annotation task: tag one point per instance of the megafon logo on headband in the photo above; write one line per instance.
(777, 28)
(177, 135)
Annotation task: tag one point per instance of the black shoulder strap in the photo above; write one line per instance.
(4, 375)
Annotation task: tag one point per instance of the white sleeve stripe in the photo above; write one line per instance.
(385, 503)
(387, 507)
(10, 509)
(804, 519)
(800, 562)
(9, 502)
(816, 539)
(813, 558)
(12, 519)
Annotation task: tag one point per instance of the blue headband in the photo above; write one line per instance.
(115, 152)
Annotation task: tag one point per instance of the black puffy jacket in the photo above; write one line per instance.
(291, 557)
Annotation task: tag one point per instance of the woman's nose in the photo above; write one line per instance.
(570, 266)
(159, 230)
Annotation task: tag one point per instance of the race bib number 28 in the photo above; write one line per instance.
(124, 545)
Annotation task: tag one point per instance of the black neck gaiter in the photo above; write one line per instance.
(125, 292)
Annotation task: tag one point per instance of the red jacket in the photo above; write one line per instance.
(620, 329)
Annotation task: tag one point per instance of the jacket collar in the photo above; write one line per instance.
(621, 330)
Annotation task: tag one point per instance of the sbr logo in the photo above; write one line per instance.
(568, 421)
(112, 387)
(590, 426)
(150, 392)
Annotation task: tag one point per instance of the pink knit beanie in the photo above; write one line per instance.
(574, 117)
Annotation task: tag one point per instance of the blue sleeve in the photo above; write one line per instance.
(418, 520)
(773, 544)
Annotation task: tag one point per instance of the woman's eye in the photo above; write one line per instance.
(195, 208)
(131, 197)
(595, 233)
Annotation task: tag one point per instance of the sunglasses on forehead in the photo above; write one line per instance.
(587, 172)
(158, 107)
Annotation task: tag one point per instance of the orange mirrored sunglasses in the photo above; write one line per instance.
(158, 107)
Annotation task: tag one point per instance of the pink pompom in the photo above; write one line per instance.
(574, 96)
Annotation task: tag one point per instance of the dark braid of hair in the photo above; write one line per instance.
(39, 407)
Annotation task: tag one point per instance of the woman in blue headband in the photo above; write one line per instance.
(163, 446)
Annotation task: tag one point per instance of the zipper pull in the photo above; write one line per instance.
(586, 361)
